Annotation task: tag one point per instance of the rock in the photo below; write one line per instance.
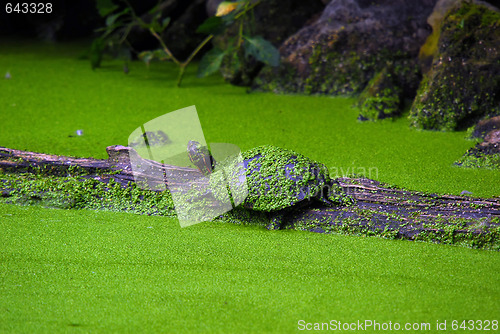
(429, 49)
(348, 45)
(462, 83)
(484, 126)
(493, 137)
(485, 154)
(382, 98)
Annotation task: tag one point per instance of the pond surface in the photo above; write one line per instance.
(52, 94)
(97, 271)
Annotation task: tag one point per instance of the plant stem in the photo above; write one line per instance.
(198, 48)
(181, 74)
(184, 64)
(191, 56)
(246, 10)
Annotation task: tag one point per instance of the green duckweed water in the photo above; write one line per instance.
(52, 94)
(97, 271)
(94, 271)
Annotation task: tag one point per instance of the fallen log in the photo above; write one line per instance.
(381, 209)
(117, 166)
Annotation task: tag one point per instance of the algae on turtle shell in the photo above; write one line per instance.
(278, 178)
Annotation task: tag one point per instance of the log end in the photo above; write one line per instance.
(119, 154)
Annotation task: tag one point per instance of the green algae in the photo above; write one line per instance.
(65, 270)
(77, 192)
(108, 105)
(336, 73)
(381, 98)
(488, 161)
(277, 178)
(332, 70)
(81, 270)
(464, 232)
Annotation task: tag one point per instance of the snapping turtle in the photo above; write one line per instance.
(278, 179)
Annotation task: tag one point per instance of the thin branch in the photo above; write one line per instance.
(198, 48)
(164, 46)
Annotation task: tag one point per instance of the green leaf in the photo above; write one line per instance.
(262, 50)
(229, 18)
(143, 24)
(213, 25)
(161, 54)
(165, 22)
(146, 56)
(210, 63)
(105, 7)
(110, 20)
(155, 9)
(155, 23)
(239, 10)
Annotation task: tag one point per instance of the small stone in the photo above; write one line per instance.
(7, 75)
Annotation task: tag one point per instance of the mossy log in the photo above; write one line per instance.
(117, 166)
(396, 213)
(380, 209)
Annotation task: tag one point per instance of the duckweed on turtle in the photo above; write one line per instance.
(278, 179)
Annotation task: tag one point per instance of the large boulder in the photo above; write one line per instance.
(350, 43)
(462, 84)
(382, 97)
(275, 20)
(486, 153)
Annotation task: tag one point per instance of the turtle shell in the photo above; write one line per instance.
(278, 178)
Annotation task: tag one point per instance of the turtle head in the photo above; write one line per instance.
(200, 157)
